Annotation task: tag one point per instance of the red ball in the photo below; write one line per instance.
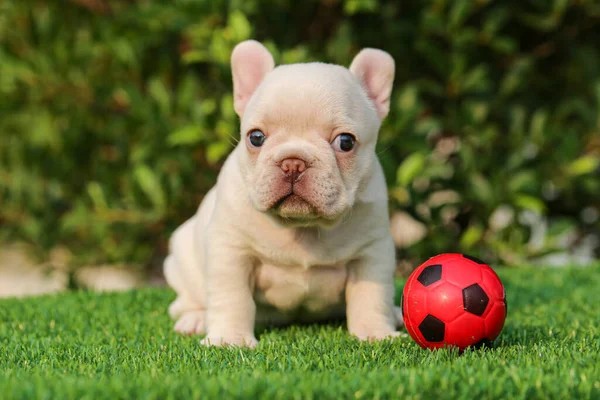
(454, 300)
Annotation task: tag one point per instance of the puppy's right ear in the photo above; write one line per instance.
(375, 70)
(250, 62)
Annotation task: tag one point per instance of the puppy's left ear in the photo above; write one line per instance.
(250, 63)
(375, 70)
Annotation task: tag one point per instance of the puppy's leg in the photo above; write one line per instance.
(370, 293)
(189, 314)
(231, 310)
(184, 273)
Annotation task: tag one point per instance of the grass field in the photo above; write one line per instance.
(84, 345)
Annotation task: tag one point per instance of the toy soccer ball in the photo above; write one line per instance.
(454, 300)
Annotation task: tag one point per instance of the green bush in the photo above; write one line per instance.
(116, 115)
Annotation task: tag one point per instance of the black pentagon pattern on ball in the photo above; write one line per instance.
(474, 259)
(433, 329)
(430, 274)
(475, 300)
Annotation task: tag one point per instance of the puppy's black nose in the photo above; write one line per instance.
(293, 168)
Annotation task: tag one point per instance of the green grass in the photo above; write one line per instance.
(84, 345)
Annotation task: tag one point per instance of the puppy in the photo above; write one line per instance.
(296, 228)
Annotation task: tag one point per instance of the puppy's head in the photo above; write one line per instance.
(308, 131)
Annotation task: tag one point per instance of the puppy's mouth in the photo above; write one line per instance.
(293, 207)
(306, 201)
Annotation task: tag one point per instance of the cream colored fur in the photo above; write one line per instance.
(250, 257)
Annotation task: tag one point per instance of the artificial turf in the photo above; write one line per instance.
(85, 345)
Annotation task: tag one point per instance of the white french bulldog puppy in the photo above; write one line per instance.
(296, 228)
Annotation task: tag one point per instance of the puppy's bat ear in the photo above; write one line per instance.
(375, 70)
(250, 62)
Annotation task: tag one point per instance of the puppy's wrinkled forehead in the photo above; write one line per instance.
(308, 95)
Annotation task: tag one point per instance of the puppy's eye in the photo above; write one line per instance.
(344, 142)
(256, 138)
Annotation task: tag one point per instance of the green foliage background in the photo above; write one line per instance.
(116, 115)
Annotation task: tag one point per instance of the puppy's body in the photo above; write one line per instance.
(271, 245)
(299, 273)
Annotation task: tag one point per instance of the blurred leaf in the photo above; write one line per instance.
(227, 110)
(124, 51)
(538, 125)
(220, 48)
(97, 195)
(43, 132)
(195, 56)
(459, 12)
(209, 106)
(226, 131)
(583, 165)
(481, 189)
(407, 99)
(160, 94)
(216, 151)
(471, 236)
(352, 7)
(475, 79)
(530, 203)
(522, 181)
(150, 185)
(401, 195)
(187, 135)
(561, 226)
(504, 45)
(410, 168)
(240, 27)
(496, 20)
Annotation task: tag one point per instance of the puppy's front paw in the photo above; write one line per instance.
(377, 335)
(190, 323)
(230, 340)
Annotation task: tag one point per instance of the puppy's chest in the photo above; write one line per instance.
(308, 251)
(314, 289)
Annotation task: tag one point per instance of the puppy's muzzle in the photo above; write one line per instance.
(293, 169)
